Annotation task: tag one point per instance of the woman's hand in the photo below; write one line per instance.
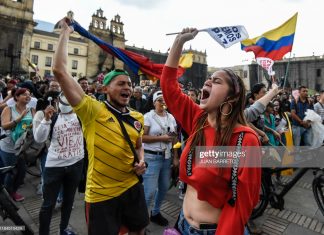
(48, 112)
(264, 139)
(22, 115)
(167, 138)
(187, 34)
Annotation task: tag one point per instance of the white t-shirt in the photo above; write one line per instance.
(159, 126)
(32, 103)
(66, 147)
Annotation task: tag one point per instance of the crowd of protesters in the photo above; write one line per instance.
(272, 112)
(64, 111)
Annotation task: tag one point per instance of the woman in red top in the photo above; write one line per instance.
(217, 121)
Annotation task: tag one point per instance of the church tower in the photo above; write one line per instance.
(16, 28)
(99, 60)
(118, 36)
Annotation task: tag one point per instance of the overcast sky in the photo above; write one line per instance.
(147, 21)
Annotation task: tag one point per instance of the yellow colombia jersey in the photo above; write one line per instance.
(110, 171)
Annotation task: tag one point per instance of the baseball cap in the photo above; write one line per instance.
(157, 95)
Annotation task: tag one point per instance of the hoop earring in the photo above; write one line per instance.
(221, 108)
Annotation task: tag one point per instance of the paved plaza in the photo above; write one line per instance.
(301, 215)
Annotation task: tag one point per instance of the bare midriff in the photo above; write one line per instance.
(196, 211)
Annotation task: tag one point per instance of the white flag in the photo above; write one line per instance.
(266, 63)
(229, 35)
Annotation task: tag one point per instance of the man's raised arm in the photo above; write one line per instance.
(72, 90)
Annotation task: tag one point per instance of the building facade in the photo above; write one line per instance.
(307, 71)
(16, 30)
(38, 44)
(43, 46)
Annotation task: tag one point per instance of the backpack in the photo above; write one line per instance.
(27, 148)
(25, 145)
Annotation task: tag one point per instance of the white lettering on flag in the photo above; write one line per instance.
(229, 35)
(266, 63)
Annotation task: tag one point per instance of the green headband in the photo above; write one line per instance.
(114, 73)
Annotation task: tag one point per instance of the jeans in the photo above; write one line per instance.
(156, 180)
(300, 133)
(54, 177)
(186, 229)
(15, 178)
(43, 162)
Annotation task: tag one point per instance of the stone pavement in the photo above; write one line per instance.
(301, 215)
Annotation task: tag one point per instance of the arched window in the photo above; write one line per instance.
(101, 25)
(96, 24)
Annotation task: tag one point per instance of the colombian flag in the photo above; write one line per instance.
(139, 64)
(275, 43)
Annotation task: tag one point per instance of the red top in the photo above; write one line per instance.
(211, 185)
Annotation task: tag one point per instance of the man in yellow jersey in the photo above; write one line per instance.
(114, 196)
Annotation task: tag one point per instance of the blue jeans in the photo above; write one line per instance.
(54, 177)
(300, 133)
(186, 229)
(156, 180)
(15, 178)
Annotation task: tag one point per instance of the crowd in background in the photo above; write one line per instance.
(271, 125)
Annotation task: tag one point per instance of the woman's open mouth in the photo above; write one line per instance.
(205, 94)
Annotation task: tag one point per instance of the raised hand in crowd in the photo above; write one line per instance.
(48, 112)
(64, 25)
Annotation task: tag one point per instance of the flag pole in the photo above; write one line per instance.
(287, 69)
(199, 30)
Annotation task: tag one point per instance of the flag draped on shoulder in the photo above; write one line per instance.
(139, 64)
(229, 35)
(275, 43)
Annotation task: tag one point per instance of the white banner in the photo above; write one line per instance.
(266, 63)
(229, 35)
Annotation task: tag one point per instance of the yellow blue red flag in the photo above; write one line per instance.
(275, 43)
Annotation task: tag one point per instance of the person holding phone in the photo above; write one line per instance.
(159, 137)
